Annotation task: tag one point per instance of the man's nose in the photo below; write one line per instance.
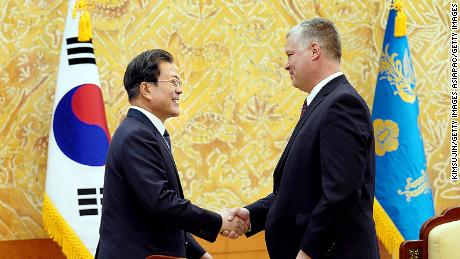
(286, 67)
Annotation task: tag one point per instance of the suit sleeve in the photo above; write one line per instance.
(345, 138)
(258, 214)
(145, 167)
(194, 249)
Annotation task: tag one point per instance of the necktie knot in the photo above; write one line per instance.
(168, 140)
(304, 107)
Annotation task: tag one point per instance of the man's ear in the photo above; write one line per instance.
(316, 50)
(144, 89)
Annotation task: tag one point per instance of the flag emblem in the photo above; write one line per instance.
(80, 52)
(79, 122)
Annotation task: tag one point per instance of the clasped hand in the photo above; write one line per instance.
(235, 222)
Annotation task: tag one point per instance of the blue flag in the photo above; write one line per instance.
(402, 186)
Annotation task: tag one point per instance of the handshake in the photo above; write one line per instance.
(235, 222)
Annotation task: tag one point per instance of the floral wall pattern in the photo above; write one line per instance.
(238, 106)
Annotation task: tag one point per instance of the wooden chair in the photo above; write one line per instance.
(163, 257)
(431, 234)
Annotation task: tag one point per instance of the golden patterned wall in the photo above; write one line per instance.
(238, 106)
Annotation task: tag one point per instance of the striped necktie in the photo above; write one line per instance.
(168, 140)
(304, 108)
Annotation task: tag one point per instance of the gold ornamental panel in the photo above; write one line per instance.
(238, 107)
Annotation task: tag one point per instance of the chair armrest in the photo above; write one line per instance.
(411, 249)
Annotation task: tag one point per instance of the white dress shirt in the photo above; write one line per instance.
(154, 119)
(320, 86)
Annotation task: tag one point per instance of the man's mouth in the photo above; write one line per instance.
(175, 100)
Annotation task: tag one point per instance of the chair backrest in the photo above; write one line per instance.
(444, 241)
(419, 249)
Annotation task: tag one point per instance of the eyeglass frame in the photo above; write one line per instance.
(172, 81)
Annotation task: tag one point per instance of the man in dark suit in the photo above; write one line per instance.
(144, 211)
(322, 200)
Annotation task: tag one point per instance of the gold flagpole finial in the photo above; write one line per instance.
(400, 21)
(84, 26)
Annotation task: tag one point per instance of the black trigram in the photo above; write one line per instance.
(80, 52)
(87, 201)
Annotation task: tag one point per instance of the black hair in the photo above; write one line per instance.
(144, 68)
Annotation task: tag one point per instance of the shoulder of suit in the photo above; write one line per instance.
(346, 89)
(131, 126)
(345, 93)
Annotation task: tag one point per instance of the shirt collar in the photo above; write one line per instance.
(154, 119)
(320, 86)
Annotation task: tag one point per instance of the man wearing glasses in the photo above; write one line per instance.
(144, 210)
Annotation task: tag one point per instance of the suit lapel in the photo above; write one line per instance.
(326, 90)
(140, 116)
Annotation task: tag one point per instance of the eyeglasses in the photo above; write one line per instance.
(175, 82)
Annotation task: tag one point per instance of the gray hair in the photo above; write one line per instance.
(321, 31)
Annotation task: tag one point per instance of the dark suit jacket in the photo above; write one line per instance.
(144, 211)
(324, 182)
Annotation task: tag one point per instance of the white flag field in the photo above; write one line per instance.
(78, 143)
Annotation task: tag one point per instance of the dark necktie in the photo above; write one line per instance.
(168, 140)
(304, 108)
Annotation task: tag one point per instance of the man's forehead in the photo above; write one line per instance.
(291, 44)
(168, 69)
(288, 48)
